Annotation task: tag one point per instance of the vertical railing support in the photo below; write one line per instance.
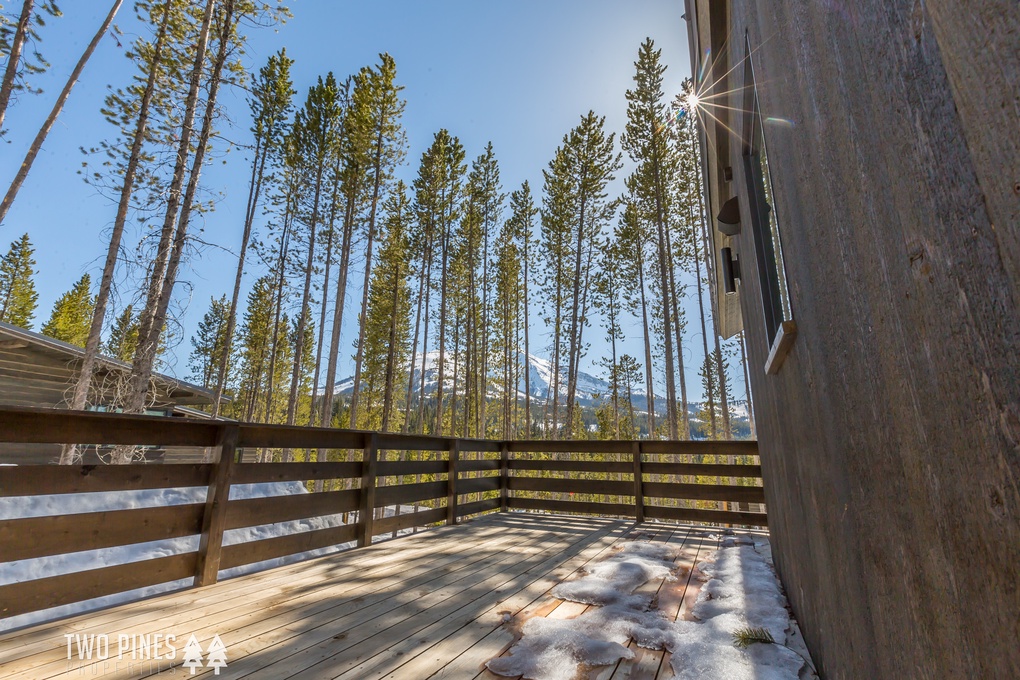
(210, 546)
(366, 510)
(504, 474)
(639, 494)
(451, 484)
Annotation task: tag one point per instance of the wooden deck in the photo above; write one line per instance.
(433, 604)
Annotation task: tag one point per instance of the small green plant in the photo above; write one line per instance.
(745, 637)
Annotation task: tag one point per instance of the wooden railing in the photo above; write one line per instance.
(444, 478)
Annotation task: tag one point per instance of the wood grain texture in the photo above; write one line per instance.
(889, 440)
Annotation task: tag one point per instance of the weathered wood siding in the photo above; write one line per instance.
(890, 439)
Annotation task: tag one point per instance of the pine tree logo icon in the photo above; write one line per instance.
(217, 655)
(193, 655)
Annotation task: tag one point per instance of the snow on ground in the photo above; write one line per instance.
(741, 590)
(66, 504)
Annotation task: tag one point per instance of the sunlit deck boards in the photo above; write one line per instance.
(428, 605)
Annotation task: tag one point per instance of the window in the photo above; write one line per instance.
(768, 249)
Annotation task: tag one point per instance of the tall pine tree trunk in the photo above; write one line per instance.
(33, 151)
(414, 349)
(157, 304)
(145, 353)
(650, 393)
(338, 308)
(325, 301)
(377, 185)
(79, 399)
(254, 190)
(14, 58)
(684, 426)
(574, 339)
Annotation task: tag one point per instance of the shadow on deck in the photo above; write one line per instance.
(439, 603)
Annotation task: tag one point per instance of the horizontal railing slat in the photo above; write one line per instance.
(409, 493)
(296, 437)
(701, 448)
(568, 446)
(394, 468)
(53, 426)
(253, 473)
(251, 512)
(701, 515)
(477, 465)
(388, 525)
(705, 492)
(623, 509)
(31, 537)
(240, 554)
(465, 509)
(701, 469)
(593, 486)
(477, 485)
(53, 591)
(572, 466)
(32, 480)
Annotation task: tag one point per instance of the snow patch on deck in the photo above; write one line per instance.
(740, 590)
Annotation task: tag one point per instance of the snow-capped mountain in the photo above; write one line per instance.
(539, 380)
(590, 389)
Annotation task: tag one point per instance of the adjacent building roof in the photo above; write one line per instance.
(37, 370)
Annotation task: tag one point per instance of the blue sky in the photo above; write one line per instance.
(517, 73)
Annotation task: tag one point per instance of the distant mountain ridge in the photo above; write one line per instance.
(589, 387)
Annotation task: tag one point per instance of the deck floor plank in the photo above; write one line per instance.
(183, 606)
(448, 638)
(210, 605)
(344, 621)
(325, 660)
(436, 604)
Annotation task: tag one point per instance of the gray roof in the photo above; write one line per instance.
(37, 370)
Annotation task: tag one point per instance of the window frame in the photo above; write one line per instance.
(777, 306)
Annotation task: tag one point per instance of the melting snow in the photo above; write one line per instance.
(740, 590)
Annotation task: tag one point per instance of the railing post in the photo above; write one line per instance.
(639, 494)
(366, 511)
(210, 546)
(504, 473)
(451, 485)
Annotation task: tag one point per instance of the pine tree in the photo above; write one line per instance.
(355, 159)
(387, 322)
(72, 314)
(270, 105)
(608, 299)
(18, 298)
(181, 193)
(255, 348)
(21, 64)
(210, 343)
(647, 141)
(380, 101)
(632, 239)
(123, 336)
(487, 196)
(44, 130)
(315, 130)
(437, 207)
(710, 382)
(506, 316)
(523, 212)
(142, 114)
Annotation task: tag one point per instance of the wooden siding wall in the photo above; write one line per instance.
(463, 477)
(890, 439)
